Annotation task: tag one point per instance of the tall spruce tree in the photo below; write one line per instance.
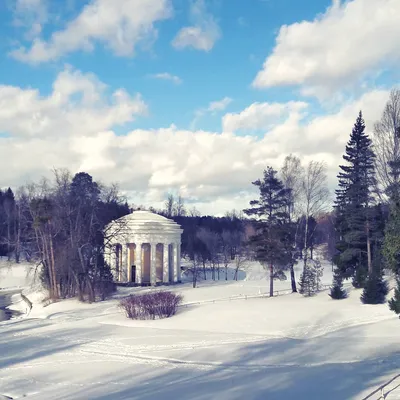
(353, 200)
(272, 223)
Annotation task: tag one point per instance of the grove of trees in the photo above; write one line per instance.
(60, 225)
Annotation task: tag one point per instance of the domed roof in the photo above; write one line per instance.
(146, 221)
(146, 216)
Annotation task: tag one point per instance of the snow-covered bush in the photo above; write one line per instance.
(160, 304)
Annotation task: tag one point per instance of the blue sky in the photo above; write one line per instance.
(260, 78)
(226, 70)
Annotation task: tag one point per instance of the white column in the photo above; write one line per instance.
(176, 262)
(179, 261)
(117, 258)
(165, 263)
(128, 263)
(153, 272)
(124, 264)
(138, 262)
(108, 256)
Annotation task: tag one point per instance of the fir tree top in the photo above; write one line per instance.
(358, 176)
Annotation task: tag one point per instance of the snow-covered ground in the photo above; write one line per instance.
(216, 347)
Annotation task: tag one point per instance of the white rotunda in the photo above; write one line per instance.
(144, 248)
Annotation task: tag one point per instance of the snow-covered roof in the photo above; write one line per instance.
(146, 222)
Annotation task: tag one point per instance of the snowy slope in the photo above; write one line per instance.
(287, 347)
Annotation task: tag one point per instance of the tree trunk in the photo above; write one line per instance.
(46, 258)
(194, 275)
(17, 235)
(236, 273)
(369, 249)
(8, 238)
(78, 285)
(293, 279)
(305, 255)
(271, 280)
(91, 293)
(53, 264)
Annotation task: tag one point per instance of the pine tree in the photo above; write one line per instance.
(272, 222)
(353, 198)
(337, 292)
(308, 281)
(394, 302)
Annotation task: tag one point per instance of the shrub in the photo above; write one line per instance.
(160, 304)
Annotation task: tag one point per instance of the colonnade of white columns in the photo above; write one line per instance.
(170, 262)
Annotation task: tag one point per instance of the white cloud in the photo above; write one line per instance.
(213, 108)
(219, 105)
(261, 116)
(77, 104)
(168, 77)
(73, 127)
(31, 15)
(204, 32)
(119, 24)
(339, 48)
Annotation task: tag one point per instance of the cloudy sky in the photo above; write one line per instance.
(188, 96)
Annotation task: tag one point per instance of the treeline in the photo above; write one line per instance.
(362, 232)
(216, 243)
(61, 226)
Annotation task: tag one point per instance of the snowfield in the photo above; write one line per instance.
(219, 346)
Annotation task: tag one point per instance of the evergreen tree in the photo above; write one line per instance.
(391, 244)
(308, 281)
(319, 271)
(337, 292)
(394, 302)
(272, 224)
(375, 290)
(353, 198)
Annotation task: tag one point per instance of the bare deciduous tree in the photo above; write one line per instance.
(194, 212)
(170, 205)
(315, 196)
(293, 176)
(211, 241)
(387, 143)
